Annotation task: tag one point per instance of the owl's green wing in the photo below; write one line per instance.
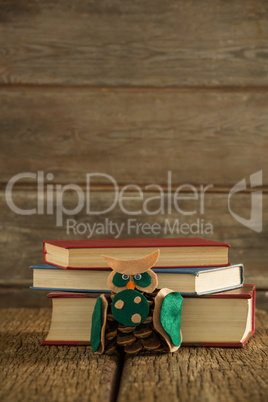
(99, 317)
(167, 317)
(170, 316)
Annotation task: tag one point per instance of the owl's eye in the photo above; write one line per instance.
(120, 280)
(143, 280)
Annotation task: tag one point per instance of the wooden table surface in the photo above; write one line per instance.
(39, 373)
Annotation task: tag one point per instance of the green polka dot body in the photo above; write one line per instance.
(130, 307)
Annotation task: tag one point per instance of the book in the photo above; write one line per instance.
(184, 280)
(177, 252)
(225, 319)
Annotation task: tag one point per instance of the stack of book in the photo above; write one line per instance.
(218, 309)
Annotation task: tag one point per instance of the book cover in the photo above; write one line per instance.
(121, 243)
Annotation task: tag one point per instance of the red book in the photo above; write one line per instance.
(224, 319)
(177, 252)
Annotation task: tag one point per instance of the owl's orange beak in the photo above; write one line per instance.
(131, 285)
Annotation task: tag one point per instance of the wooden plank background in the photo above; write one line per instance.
(132, 89)
(202, 137)
(134, 43)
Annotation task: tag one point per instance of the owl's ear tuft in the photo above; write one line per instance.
(133, 266)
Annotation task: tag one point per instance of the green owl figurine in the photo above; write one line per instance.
(136, 316)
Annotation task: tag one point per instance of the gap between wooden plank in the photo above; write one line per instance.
(12, 87)
(218, 189)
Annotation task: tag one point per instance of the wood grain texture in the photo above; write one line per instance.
(69, 374)
(262, 300)
(22, 296)
(35, 373)
(22, 236)
(200, 374)
(136, 137)
(134, 43)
